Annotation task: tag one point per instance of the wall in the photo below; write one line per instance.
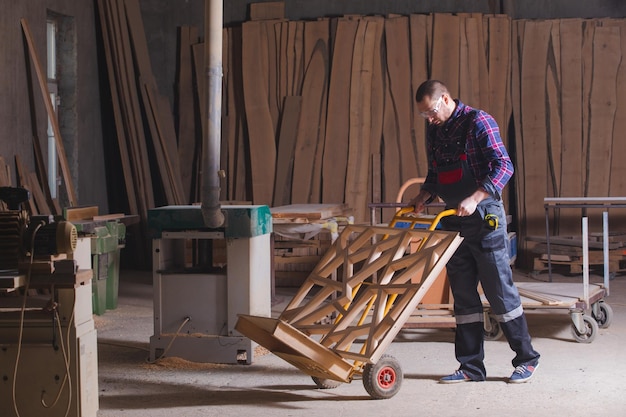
(83, 141)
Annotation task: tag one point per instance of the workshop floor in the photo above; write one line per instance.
(574, 379)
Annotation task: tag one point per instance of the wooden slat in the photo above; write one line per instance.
(419, 73)
(262, 141)
(338, 120)
(237, 140)
(43, 85)
(554, 138)
(24, 181)
(499, 79)
(267, 10)
(117, 116)
(533, 142)
(320, 30)
(445, 51)
(617, 180)
(38, 194)
(602, 110)
(377, 100)
(131, 109)
(80, 213)
(309, 139)
(587, 63)
(499, 72)
(397, 44)
(360, 120)
(570, 180)
(469, 53)
(391, 167)
(273, 98)
(197, 51)
(602, 107)
(309, 211)
(185, 109)
(286, 147)
(162, 124)
(42, 177)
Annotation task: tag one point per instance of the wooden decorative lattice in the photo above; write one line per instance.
(355, 301)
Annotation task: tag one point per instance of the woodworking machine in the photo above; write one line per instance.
(48, 344)
(204, 277)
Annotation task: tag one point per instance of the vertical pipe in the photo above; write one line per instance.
(210, 196)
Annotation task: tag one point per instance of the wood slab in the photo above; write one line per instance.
(309, 211)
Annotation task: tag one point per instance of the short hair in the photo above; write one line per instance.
(430, 88)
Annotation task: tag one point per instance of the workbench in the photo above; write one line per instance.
(605, 203)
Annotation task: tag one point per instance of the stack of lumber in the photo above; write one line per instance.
(302, 234)
(143, 118)
(569, 109)
(322, 111)
(567, 252)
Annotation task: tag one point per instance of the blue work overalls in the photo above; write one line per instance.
(483, 257)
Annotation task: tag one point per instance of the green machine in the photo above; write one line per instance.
(107, 239)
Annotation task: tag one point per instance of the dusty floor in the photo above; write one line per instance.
(574, 379)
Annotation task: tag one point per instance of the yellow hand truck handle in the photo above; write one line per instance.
(402, 215)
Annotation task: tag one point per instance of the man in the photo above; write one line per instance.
(468, 168)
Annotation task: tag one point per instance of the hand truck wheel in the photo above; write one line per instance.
(382, 379)
(325, 383)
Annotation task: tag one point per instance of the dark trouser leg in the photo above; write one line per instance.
(492, 258)
(516, 332)
(469, 347)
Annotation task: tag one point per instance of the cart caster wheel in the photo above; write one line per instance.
(591, 330)
(325, 383)
(382, 379)
(603, 313)
(492, 330)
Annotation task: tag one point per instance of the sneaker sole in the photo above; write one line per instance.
(521, 381)
(456, 381)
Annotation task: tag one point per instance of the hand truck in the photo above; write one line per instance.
(353, 304)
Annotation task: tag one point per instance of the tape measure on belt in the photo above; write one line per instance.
(492, 221)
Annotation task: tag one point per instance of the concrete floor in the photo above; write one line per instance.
(574, 379)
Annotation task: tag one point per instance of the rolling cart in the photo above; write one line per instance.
(584, 301)
(353, 304)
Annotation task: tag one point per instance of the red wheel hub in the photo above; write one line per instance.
(386, 377)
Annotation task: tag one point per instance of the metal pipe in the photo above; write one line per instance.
(210, 196)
